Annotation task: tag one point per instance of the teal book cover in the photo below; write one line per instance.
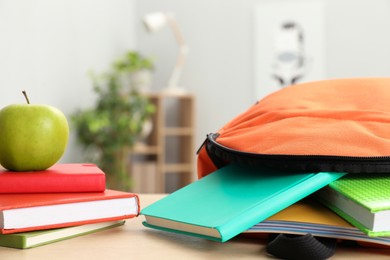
(362, 199)
(32, 239)
(231, 200)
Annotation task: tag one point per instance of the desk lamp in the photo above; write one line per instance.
(156, 21)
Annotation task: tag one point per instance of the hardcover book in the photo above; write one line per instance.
(231, 200)
(58, 178)
(43, 237)
(309, 216)
(363, 200)
(37, 211)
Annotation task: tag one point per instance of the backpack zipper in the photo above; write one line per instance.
(221, 155)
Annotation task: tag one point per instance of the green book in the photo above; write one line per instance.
(361, 199)
(231, 200)
(42, 237)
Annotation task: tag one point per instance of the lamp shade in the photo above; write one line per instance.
(155, 21)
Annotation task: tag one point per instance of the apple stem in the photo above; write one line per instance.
(26, 97)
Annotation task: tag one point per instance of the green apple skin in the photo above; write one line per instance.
(32, 137)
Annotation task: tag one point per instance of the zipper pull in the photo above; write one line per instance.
(201, 146)
(211, 136)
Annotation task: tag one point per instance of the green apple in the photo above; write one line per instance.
(32, 137)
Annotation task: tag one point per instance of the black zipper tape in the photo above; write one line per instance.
(222, 155)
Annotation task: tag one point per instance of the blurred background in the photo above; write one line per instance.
(236, 52)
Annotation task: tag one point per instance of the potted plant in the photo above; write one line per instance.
(136, 70)
(112, 127)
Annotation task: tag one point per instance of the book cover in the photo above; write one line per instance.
(36, 211)
(58, 178)
(231, 200)
(43, 237)
(362, 199)
(309, 216)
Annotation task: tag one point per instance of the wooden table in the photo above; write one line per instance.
(134, 241)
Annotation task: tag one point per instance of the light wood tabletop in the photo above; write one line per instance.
(134, 241)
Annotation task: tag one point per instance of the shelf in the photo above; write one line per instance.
(167, 156)
(178, 131)
(178, 167)
(145, 149)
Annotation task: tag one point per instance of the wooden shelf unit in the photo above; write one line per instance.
(169, 149)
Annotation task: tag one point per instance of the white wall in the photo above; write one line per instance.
(358, 38)
(220, 68)
(48, 46)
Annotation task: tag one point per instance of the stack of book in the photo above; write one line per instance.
(65, 201)
(242, 199)
(361, 199)
(355, 207)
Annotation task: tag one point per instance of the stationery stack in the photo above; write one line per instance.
(355, 207)
(363, 200)
(64, 201)
(245, 199)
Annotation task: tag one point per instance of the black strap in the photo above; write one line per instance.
(302, 247)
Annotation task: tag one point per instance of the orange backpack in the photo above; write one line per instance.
(332, 125)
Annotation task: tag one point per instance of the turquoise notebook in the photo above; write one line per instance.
(231, 200)
(363, 200)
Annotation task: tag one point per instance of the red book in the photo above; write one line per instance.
(58, 178)
(38, 211)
